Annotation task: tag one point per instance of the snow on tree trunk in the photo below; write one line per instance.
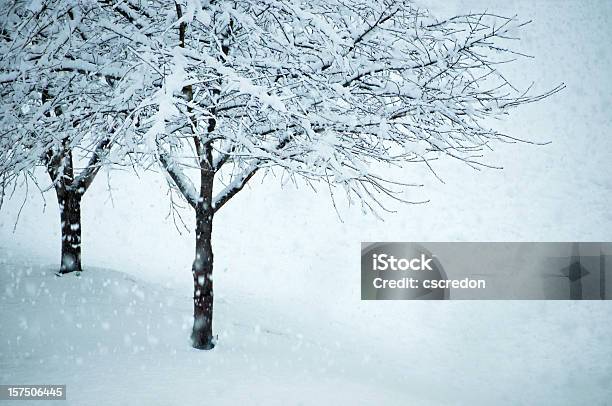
(70, 189)
(70, 214)
(201, 336)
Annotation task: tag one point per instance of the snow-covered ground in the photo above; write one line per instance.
(114, 339)
(291, 327)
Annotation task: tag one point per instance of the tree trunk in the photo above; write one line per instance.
(201, 336)
(61, 171)
(70, 214)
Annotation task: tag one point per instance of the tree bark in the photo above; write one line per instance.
(70, 215)
(201, 336)
(61, 172)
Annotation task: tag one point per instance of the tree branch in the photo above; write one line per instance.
(87, 175)
(182, 182)
(234, 187)
(238, 183)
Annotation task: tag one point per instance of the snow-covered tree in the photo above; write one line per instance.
(58, 73)
(322, 90)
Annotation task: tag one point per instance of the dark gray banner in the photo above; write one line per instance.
(485, 270)
(32, 392)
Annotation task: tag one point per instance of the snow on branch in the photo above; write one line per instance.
(234, 187)
(87, 175)
(345, 86)
(182, 182)
(66, 88)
